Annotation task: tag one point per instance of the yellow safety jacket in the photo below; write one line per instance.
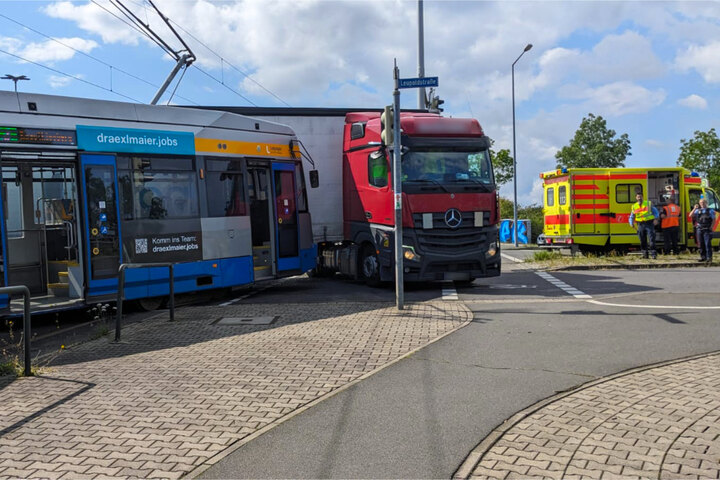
(643, 212)
(672, 216)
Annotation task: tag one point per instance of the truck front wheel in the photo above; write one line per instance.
(369, 266)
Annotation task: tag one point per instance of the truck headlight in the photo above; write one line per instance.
(492, 249)
(409, 253)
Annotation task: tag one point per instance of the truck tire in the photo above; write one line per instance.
(369, 266)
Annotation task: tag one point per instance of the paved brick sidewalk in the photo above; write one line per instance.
(174, 395)
(661, 422)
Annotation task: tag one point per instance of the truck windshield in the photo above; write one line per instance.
(446, 166)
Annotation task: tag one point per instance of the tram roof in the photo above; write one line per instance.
(61, 106)
(297, 111)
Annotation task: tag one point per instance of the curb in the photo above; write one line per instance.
(638, 266)
(465, 469)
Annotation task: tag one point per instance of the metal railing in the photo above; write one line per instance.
(25, 292)
(121, 290)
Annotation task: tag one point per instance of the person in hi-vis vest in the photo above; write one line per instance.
(670, 224)
(643, 217)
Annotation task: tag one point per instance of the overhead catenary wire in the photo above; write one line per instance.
(112, 67)
(222, 59)
(226, 86)
(69, 75)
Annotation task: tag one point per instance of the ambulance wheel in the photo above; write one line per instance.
(150, 304)
(369, 266)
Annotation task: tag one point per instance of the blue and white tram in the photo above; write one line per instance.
(88, 185)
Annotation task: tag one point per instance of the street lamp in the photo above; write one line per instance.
(515, 228)
(14, 79)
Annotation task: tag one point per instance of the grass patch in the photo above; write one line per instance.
(556, 260)
(10, 368)
(545, 255)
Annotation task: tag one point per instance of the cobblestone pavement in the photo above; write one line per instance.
(661, 422)
(172, 396)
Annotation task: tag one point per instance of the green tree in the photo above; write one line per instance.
(506, 208)
(502, 164)
(702, 154)
(594, 146)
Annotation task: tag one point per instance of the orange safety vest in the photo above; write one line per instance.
(643, 212)
(672, 216)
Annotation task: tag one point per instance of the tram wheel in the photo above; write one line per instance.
(150, 304)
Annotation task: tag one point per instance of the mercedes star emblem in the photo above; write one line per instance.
(453, 218)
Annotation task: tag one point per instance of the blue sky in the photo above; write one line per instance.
(651, 69)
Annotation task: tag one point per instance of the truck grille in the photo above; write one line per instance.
(442, 239)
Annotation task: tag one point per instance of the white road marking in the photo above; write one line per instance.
(570, 290)
(596, 302)
(448, 291)
(511, 258)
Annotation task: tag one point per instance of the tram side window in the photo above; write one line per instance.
(225, 188)
(159, 188)
(53, 194)
(12, 200)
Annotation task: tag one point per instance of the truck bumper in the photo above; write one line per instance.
(464, 265)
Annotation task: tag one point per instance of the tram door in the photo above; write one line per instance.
(40, 226)
(273, 218)
(102, 229)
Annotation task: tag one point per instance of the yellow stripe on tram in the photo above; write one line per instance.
(255, 149)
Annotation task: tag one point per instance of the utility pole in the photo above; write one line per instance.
(397, 187)
(422, 99)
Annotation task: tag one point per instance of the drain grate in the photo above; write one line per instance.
(245, 320)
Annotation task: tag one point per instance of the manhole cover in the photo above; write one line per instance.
(245, 320)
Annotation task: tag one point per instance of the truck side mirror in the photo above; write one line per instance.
(314, 178)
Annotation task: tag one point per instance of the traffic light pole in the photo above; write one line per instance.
(397, 186)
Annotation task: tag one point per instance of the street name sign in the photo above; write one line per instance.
(418, 82)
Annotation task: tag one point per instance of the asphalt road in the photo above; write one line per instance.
(530, 338)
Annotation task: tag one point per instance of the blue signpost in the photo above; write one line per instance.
(420, 82)
(397, 182)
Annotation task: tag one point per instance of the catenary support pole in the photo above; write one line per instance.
(397, 186)
(421, 55)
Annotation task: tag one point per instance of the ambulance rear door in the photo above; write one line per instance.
(556, 206)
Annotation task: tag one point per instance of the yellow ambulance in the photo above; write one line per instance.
(589, 208)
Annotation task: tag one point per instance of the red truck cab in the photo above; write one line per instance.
(450, 205)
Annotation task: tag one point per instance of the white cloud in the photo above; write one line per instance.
(625, 57)
(693, 101)
(704, 59)
(49, 51)
(94, 19)
(650, 142)
(619, 98)
(57, 81)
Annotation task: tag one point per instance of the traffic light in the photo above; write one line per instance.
(435, 105)
(386, 125)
